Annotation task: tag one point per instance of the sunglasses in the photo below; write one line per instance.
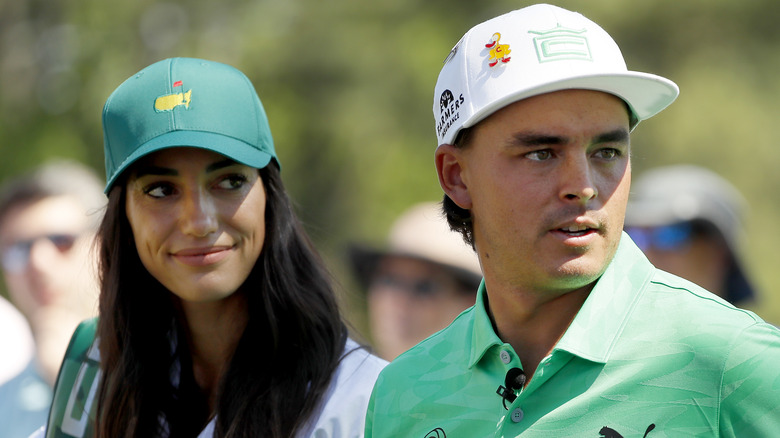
(419, 288)
(16, 257)
(663, 238)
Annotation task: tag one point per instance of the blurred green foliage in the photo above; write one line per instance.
(348, 87)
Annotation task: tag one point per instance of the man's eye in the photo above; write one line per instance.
(608, 153)
(541, 155)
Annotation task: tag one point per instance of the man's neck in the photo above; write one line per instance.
(532, 322)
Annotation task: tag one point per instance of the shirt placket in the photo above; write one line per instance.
(521, 414)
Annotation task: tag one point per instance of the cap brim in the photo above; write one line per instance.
(646, 94)
(364, 259)
(652, 213)
(230, 147)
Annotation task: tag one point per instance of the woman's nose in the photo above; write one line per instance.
(199, 215)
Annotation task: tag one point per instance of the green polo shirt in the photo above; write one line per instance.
(648, 354)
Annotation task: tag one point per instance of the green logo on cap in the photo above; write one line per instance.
(561, 43)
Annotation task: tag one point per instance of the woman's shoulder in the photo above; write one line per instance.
(343, 409)
(358, 369)
(359, 360)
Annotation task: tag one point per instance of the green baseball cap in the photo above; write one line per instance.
(185, 102)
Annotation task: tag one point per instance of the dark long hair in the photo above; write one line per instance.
(283, 362)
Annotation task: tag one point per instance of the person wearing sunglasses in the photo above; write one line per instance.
(48, 219)
(424, 277)
(688, 221)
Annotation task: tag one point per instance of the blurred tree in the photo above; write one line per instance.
(348, 87)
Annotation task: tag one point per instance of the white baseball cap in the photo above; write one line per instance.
(532, 51)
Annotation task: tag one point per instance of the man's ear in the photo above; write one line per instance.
(449, 167)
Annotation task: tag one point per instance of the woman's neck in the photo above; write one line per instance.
(212, 331)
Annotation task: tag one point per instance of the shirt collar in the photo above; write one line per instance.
(598, 324)
(483, 336)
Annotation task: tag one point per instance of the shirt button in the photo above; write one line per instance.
(517, 415)
(505, 357)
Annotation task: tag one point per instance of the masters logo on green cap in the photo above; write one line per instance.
(185, 102)
(171, 101)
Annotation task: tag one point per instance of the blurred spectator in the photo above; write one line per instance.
(688, 221)
(16, 343)
(416, 286)
(48, 219)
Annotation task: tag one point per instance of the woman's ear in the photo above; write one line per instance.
(450, 169)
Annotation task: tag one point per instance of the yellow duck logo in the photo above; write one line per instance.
(498, 52)
(170, 101)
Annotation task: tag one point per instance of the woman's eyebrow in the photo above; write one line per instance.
(153, 170)
(220, 164)
(145, 170)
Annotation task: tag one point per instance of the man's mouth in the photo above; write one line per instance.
(576, 230)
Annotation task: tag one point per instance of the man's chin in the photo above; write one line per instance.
(579, 273)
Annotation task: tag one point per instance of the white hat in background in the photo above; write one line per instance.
(421, 232)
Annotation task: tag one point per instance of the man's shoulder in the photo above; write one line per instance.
(450, 345)
(681, 312)
(415, 383)
(694, 303)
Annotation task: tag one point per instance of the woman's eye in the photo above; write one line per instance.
(540, 155)
(158, 190)
(232, 182)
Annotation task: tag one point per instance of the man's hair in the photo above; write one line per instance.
(459, 219)
(294, 322)
(54, 179)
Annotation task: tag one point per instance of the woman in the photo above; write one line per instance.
(217, 317)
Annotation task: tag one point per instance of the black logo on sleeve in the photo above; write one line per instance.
(607, 432)
(436, 433)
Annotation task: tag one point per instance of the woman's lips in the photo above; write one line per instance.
(202, 256)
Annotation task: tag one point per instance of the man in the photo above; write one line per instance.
(418, 284)
(688, 221)
(574, 332)
(48, 219)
